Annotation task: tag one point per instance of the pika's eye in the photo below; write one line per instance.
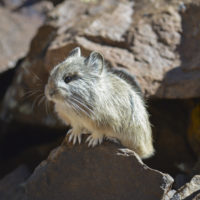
(68, 79)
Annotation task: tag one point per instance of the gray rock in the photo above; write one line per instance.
(190, 191)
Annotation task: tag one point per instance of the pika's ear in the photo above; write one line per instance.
(95, 62)
(75, 52)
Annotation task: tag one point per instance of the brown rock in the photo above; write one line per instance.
(24, 99)
(16, 33)
(103, 172)
(113, 25)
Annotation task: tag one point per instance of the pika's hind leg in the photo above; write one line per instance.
(94, 139)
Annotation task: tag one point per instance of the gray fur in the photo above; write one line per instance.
(131, 79)
(101, 102)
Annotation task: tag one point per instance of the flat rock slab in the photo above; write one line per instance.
(104, 172)
(16, 33)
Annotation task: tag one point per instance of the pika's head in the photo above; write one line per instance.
(73, 81)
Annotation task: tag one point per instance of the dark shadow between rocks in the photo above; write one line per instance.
(25, 144)
(169, 120)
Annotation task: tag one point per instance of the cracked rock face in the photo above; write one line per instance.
(149, 39)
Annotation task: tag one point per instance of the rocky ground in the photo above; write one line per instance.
(158, 41)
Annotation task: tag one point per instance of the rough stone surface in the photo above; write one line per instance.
(33, 8)
(10, 184)
(183, 80)
(16, 33)
(189, 191)
(197, 197)
(104, 172)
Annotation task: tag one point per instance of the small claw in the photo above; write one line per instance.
(79, 139)
(95, 142)
(69, 131)
(88, 139)
(70, 138)
(74, 140)
(100, 140)
(90, 143)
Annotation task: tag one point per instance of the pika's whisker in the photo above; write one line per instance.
(35, 101)
(76, 101)
(34, 74)
(78, 108)
(31, 91)
(83, 104)
(41, 100)
(46, 106)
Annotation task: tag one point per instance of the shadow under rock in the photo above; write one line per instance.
(25, 144)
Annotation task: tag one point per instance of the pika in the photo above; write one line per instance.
(95, 99)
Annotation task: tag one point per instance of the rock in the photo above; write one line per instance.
(183, 81)
(16, 33)
(146, 38)
(189, 191)
(107, 171)
(169, 195)
(10, 184)
(34, 9)
(197, 197)
(27, 106)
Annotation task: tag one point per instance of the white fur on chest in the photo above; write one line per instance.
(69, 116)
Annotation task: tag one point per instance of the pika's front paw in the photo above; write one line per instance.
(94, 139)
(74, 136)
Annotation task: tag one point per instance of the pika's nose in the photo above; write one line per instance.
(49, 92)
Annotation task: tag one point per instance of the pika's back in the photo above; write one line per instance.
(130, 79)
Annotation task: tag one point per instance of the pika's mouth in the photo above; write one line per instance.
(54, 94)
